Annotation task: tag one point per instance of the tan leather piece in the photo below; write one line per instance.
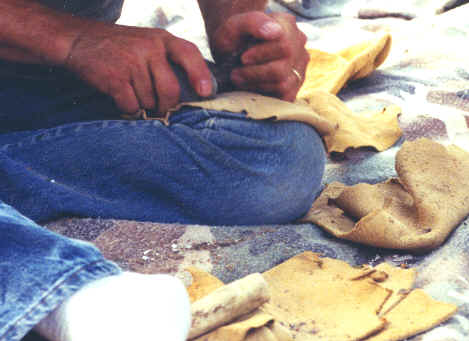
(379, 130)
(416, 313)
(399, 280)
(202, 284)
(314, 298)
(331, 72)
(415, 212)
(334, 121)
(327, 72)
(367, 56)
(260, 107)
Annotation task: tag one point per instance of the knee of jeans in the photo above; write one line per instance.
(298, 180)
(288, 189)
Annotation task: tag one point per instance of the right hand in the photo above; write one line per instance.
(131, 65)
(274, 52)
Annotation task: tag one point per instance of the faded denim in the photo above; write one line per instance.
(65, 152)
(38, 270)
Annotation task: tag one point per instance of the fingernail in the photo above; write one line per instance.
(270, 28)
(205, 88)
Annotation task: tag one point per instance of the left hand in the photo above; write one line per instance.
(272, 65)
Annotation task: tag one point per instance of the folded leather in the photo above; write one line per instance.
(415, 212)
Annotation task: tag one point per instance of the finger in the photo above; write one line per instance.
(267, 52)
(276, 71)
(188, 56)
(166, 84)
(143, 87)
(288, 23)
(124, 97)
(233, 33)
(286, 90)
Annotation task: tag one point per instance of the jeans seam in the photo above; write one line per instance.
(44, 299)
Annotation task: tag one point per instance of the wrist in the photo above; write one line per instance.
(42, 33)
(56, 50)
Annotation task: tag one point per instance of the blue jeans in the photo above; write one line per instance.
(64, 152)
(38, 270)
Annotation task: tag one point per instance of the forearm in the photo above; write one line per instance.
(215, 12)
(30, 32)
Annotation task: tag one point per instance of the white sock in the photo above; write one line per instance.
(125, 307)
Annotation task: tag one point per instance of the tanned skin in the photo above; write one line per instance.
(131, 64)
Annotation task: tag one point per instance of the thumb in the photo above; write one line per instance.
(238, 29)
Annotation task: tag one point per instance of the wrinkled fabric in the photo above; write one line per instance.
(39, 269)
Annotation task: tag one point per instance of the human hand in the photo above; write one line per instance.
(275, 64)
(132, 65)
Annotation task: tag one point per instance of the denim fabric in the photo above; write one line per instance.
(64, 152)
(38, 270)
(206, 167)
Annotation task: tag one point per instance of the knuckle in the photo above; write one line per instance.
(154, 62)
(145, 44)
(276, 73)
(136, 70)
(187, 47)
(283, 87)
(279, 75)
(286, 48)
(283, 70)
(156, 46)
(124, 57)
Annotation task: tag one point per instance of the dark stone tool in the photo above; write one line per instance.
(220, 80)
